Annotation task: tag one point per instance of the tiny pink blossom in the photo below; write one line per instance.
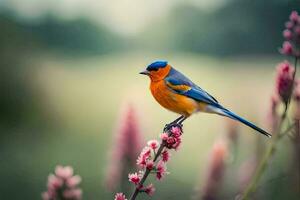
(164, 136)
(45, 196)
(165, 156)
(143, 157)
(171, 140)
(73, 181)
(63, 183)
(176, 145)
(284, 80)
(54, 182)
(72, 194)
(289, 25)
(294, 16)
(161, 170)
(150, 189)
(120, 196)
(150, 165)
(134, 178)
(64, 172)
(287, 48)
(287, 34)
(176, 131)
(153, 144)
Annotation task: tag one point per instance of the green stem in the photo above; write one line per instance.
(271, 149)
(264, 163)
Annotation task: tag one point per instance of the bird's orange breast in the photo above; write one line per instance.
(170, 100)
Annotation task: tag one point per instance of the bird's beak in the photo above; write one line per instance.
(145, 72)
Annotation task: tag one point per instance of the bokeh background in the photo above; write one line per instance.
(67, 67)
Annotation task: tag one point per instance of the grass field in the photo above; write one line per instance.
(81, 99)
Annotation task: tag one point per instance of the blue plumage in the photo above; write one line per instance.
(156, 65)
(195, 92)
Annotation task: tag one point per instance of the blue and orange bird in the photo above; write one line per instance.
(177, 93)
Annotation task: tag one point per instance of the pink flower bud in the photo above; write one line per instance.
(287, 34)
(284, 80)
(73, 181)
(64, 172)
(289, 25)
(72, 194)
(63, 183)
(150, 165)
(287, 48)
(150, 189)
(164, 136)
(161, 170)
(176, 131)
(165, 156)
(294, 16)
(54, 182)
(134, 178)
(153, 144)
(120, 196)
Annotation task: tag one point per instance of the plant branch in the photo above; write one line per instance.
(156, 155)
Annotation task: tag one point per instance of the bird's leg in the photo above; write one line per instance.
(175, 122)
(182, 120)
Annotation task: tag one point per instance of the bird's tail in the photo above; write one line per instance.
(227, 113)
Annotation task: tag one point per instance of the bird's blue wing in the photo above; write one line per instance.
(182, 85)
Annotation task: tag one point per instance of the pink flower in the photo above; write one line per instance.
(72, 194)
(287, 48)
(284, 80)
(289, 25)
(125, 148)
(173, 142)
(120, 196)
(134, 178)
(215, 171)
(149, 189)
(165, 156)
(153, 144)
(63, 183)
(287, 34)
(164, 136)
(73, 181)
(54, 182)
(45, 196)
(143, 157)
(161, 170)
(176, 131)
(150, 165)
(294, 16)
(64, 172)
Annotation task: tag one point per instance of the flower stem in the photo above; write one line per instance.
(271, 149)
(264, 163)
(148, 171)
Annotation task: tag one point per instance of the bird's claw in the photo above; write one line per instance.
(172, 124)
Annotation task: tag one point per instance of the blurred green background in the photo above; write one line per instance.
(66, 67)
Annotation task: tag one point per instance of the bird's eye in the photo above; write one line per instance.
(152, 69)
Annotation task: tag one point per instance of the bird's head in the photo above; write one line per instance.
(157, 70)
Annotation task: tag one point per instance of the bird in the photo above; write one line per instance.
(177, 93)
